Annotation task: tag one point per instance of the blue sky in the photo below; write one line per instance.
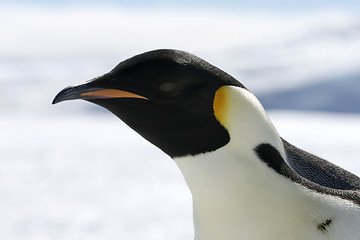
(275, 5)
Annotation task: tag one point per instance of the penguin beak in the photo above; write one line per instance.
(86, 92)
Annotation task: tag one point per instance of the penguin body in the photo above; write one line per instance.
(246, 181)
(234, 204)
(248, 199)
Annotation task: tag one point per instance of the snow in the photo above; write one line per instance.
(74, 171)
(91, 177)
(87, 177)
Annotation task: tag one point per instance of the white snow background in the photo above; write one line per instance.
(74, 171)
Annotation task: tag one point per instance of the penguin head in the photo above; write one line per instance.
(172, 98)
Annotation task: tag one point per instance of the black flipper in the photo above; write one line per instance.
(320, 171)
(311, 171)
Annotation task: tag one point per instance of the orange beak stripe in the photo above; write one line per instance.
(111, 93)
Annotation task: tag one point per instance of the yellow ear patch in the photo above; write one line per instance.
(221, 105)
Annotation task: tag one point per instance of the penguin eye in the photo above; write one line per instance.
(167, 87)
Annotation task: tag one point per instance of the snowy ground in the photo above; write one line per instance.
(86, 177)
(91, 177)
(72, 171)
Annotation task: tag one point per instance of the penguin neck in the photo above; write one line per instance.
(237, 196)
(229, 184)
(230, 193)
(246, 121)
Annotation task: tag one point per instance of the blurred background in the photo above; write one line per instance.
(74, 171)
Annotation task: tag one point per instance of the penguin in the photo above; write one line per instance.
(246, 181)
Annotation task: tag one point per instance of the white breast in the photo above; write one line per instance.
(237, 196)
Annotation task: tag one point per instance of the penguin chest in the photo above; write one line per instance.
(236, 196)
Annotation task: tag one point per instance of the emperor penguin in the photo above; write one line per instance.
(247, 183)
